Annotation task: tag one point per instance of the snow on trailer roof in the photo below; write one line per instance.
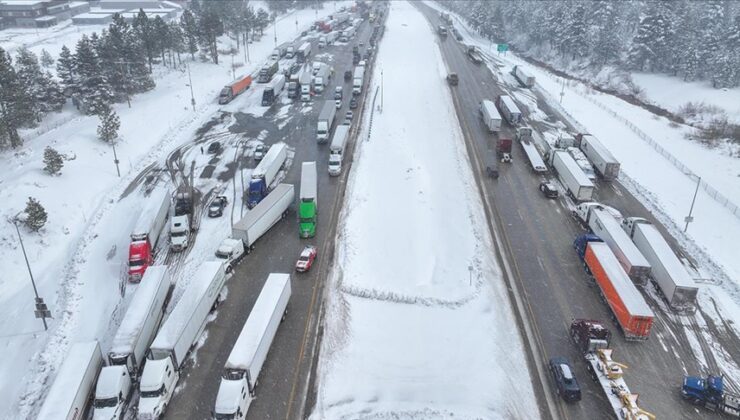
(574, 168)
(67, 381)
(308, 180)
(509, 103)
(255, 327)
(138, 310)
(150, 210)
(594, 143)
(629, 294)
(621, 239)
(490, 109)
(267, 160)
(185, 307)
(670, 261)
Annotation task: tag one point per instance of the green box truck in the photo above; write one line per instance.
(308, 207)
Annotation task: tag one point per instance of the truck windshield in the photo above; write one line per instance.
(105, 402)
(223, 255)
(221, 416)
(306, 220)
(178, 234)
(136, 263)
(153, 394)
(225, 92)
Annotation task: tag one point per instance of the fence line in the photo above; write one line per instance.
(709, 189)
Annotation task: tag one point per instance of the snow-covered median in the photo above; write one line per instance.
(418, 321)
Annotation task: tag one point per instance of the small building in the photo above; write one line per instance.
(93, 19)
(38, 13)
(131, 5)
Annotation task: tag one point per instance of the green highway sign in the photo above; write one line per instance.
(502, 47)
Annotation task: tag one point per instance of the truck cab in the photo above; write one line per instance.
(140, 257)
(232, 400)
(257, 191)
(230, 251)
(179, 233)
(156, 388)
(112, 393)
(582, 241)
(305, 93)
(335, 164)
(307, 215)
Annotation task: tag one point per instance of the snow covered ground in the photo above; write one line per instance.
(654, 178)
(418, 321)
(79, 257)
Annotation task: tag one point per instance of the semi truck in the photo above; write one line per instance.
(265, 173)
(347, 34)
(509, 110)
(267, 71)
(272, 91)
(178, 335)
(592, 339)
(601, 221)
(503, 149)
(666, 269)
(628, 307)
(326, 120)
(304, 51)
(606, 165)
(358, 78)
(290, 51)
(71, 393)
(230, 91)
(321, 78)
(242, 368)
(146, 233)
(570, 174)
(522, 77)
(230, 252)
(524, 136)
(710, 392)
(183, 220)
(263, 216)
(491, 116)
(308, 208)
(336, 149)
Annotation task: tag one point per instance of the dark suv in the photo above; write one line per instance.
(565, 379)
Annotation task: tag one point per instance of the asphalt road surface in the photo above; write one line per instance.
(282, 381)
(538, 234)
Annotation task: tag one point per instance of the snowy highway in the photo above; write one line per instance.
(539, 233)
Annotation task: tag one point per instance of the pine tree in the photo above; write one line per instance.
(34, 215)
(41, 91)
(263, 19)
(606, 39)
(66, 71)
(46, 59)
(210, 28)
(53, 161)
(190, 32)
(109, 125)
(28, 71)
(10, 92)
(144, 32)
(94, 91)
(177, 41)
(52, 96)
(161, 33)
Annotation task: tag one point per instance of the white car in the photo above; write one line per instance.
(338, 103)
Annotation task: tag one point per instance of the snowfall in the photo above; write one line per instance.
(78, 260)
(411, 330)
(430, 313)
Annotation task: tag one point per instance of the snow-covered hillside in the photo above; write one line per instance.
(418, 321)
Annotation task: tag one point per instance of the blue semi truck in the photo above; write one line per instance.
(710, 392)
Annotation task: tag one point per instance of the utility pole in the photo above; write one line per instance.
(688, 219)
(274, 27)
(192, 96)
(41, 310)
(115, 159)
(381, 89)
(562, 91)
(233, 73)
(470, 277)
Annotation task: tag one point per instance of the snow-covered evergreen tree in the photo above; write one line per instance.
(46, 59)
(210, 28)
(29, 76)
(94, 91)
(144, 31)
(190, 32)
(109, 125)
(53, 161)
(34, 216)
(66, 71)
(10, 89)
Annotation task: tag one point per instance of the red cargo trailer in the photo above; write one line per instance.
(632, 314)
(234, 88)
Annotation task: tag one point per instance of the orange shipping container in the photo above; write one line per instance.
(241, 85)
(627, 304)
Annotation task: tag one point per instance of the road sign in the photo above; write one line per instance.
(502, 47)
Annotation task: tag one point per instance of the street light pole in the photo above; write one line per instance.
(40, 306)
(115, 159)
(381, 89)
(190, 79)
(689, 218)
(470, 278)
(274, 27)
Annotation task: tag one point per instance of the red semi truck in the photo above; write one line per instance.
(628, 306)
(230, 91)
(146, 233)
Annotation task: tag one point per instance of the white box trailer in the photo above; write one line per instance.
(605, 225)
(250, 350)
(524, 135)
(358, 79)
(271, 163)
(177, 336)
(140, 323)
(570, 174)
(666, 269)
(70, 394)
(339, 141)
(509, 110)
(605, 163)
(491, 116)
(326, 119)
(264, 215)
(152, 218)
(523, 77)
(309, 184)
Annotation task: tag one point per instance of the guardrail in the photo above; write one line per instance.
(372, 114)
(710, 190)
